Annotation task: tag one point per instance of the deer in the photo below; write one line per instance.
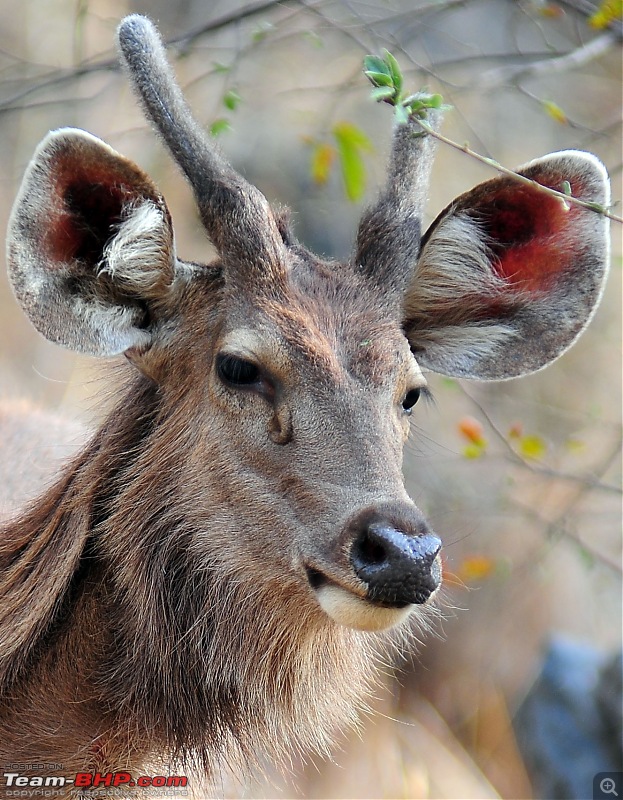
(212, 577)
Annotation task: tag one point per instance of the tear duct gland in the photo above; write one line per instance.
(195, 583)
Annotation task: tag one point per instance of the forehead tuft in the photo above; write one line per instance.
(332, 318)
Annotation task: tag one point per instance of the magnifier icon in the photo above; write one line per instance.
(607, 786)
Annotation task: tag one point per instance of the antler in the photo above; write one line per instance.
(236, 215)
(388, 240)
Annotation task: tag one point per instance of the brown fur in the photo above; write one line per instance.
(163, 662)
(196, 586)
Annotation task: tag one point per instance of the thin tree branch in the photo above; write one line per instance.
(589, 481)
(587, 8)
(60, 77)
(490, 162)
(584, 484)
(187, 39)
(562, 63)
(556, 526)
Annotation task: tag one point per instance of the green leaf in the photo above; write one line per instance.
(597, 207)
(220, 126)
(555, 112)
(383, 93)
(532, 447)
(314, 39)
(352, 134)
(385, 74)
(232, 100)
(262, 31)
(376, 64)
(608, 11)
(423, 100)
(401, 115)
(474, 450)
(435, 101)
(394, 70)
(575, 446)
(351, 142)
(587, 557)
(221, 69)
(379, 79)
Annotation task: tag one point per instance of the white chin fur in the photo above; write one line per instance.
(354, 612)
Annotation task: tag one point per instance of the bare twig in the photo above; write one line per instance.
(59, 77)
(490, 162)
(186, 40)
(576, 58)
(556, 526)
(588, 481)
(587, 8)
(584, 484)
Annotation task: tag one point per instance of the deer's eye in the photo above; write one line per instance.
(410, 399)
(237, 371)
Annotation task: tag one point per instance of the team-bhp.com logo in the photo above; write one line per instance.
(17, 785)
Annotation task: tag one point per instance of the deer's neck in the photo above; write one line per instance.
(56, 611)
(100, 589)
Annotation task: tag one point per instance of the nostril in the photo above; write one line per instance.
(398, 567)
(369, 550)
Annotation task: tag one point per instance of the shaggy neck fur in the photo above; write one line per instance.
(137, 650)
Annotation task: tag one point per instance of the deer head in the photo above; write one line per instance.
(289, 380)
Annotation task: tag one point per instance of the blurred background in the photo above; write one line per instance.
(521, 479)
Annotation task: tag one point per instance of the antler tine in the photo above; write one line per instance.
(236, 215)
(388, 240)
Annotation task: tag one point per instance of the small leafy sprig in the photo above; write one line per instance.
(385, 76)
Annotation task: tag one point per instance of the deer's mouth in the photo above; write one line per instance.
(353, 610)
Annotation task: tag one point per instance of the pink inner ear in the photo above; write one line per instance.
(533, 235)
(89, 199)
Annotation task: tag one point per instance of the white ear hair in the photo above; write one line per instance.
(133, 256)
(90, 245)
(509, 276)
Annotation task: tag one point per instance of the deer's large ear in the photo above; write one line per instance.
(508, 276)
(90, 245)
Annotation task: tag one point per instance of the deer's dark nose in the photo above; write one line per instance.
(399, 566)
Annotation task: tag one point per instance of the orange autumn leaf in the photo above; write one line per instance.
(472, 430)
(323, 156)
(475, 568)
(515, 431)
(551, 11)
